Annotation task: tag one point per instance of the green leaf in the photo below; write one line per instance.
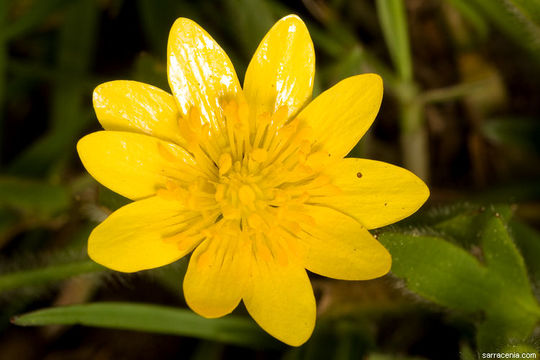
(527, 9)
(47, 274)
(528, 240)
(513, 310)
(437, 270)
(153, 318)
(466, 226)
(523, 348)
(33, 197)
(503, 259)
(393, 19)
(519, 132)
(497, 331)
(448, 275)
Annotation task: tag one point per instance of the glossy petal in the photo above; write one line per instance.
(282, 69)
(137, 107)
(134, 165)
(280, 299)
(375, 193)
(341, 115)
(200, 73)
(337, 246)
(216, 276)
(131, 238)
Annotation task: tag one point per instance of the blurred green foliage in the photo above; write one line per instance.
(496, 284)
(152, 318)
(460, 109)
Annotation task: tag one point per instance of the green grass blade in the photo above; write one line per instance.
(513, 19)
(46, 275)
(152, 318)
(68, 117)
(393, 19)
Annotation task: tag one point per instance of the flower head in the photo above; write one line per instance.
(253, 180)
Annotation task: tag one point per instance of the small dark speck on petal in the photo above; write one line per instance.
(385, 204)
(359, 175)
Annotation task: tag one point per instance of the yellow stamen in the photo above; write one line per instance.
(259, 155)
(220, 192)
(225, 163)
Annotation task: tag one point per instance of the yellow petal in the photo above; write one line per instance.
(341, 115)
(337, 246)
(216, 275)
(134, 165)
(373, 192)
(282, 69)
(200, 73)
(280, 299)
(131, 238)
(137, 107)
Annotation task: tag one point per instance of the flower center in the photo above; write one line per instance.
(256, 174)
(238, 191)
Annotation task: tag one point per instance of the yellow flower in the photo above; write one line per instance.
(252, 180)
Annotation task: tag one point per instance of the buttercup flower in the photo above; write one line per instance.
(253, 180)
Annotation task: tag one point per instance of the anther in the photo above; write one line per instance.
(220, 192)
(224, 163)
